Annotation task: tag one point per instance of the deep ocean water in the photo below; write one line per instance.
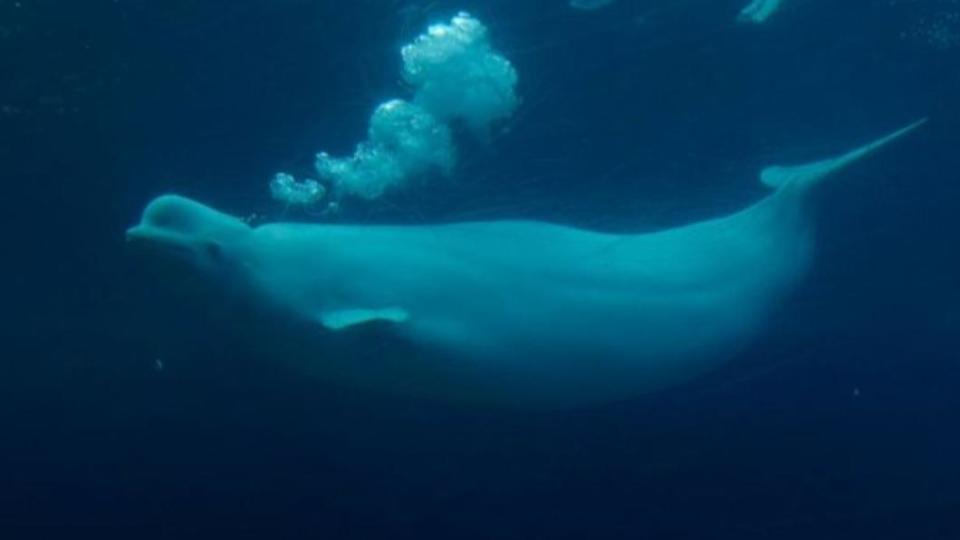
(128, 409)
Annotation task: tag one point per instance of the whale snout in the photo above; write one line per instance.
(175, 226)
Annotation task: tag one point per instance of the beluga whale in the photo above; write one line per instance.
(513, 313)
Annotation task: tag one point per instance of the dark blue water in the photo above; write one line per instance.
(840, 423)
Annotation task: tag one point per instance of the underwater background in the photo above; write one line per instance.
(127, 411)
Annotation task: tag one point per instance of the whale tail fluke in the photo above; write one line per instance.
(809, 174)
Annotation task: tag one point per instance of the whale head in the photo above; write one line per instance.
(184, 231)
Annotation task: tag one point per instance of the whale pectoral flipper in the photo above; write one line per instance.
(345, 318)
(809, 174)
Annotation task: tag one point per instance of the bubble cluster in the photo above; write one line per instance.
(284, 187)
(403, 140)
(457, 76)
(937, 25)
(941, 30)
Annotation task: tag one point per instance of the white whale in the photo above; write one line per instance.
(516, 313)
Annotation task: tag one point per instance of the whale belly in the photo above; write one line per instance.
(570, 346)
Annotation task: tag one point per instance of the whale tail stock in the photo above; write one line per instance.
(809, 174)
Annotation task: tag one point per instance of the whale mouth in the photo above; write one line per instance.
(152, 238)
